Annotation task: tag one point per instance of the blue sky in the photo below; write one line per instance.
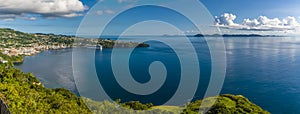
(66, 20)
(254, 8)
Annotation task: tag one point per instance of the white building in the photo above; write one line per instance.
(3, 61)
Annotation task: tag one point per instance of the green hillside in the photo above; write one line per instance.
(225, 104)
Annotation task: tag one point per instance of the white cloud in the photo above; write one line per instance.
(32, 18)
(121, 1)
(109, 11)
(262, 23)
(225, 19)
(46, 8)
(7, 17)
(290, 21)
(29, 18)
(99, 12)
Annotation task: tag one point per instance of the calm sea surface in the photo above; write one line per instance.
(265, 70)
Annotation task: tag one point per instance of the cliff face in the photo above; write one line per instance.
(225, 104)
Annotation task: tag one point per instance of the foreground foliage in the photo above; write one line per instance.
(135, 105)
(23, 93)
(107, 107)
(225, 104)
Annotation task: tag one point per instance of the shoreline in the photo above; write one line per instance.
(155, 107)
(33, 54)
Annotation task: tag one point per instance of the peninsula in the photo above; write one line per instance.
(16, 43)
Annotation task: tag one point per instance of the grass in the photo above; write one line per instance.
(174, 109)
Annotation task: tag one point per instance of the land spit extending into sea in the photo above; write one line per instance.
(17, 44)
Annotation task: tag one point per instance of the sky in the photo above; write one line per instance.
(231, 16)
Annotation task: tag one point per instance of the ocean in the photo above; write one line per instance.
(263, 69)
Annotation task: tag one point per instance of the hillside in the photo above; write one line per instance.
(16, 43)
(23, 93)
(226, 104)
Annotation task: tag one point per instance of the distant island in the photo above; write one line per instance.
(234, 35)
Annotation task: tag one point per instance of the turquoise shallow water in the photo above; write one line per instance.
(266, 70)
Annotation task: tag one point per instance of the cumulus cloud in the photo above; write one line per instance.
(225, 19)
(11, 9)
(262, 23)
(290, 21)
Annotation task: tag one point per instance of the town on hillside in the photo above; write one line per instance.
(15, 43)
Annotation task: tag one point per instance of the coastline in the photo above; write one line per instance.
(168, 108)
(18, 62)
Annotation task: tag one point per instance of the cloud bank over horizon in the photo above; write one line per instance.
(262, 23)
(30, 9)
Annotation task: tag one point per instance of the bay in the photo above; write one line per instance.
(265, 70)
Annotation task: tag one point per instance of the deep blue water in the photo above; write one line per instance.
(265, 70)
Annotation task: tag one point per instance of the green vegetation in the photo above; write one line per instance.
(11, 59)
(10, 38)
(23, 93)
(107, 107)
(225, 104)
(15, 43)
(135, 105)
(111, 44)
(173, 109)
